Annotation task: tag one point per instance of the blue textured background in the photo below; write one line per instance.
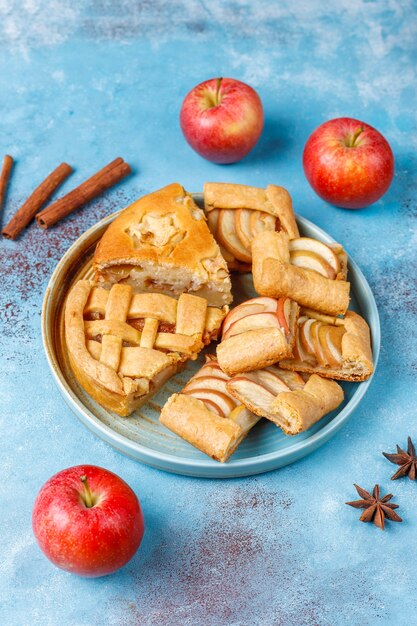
(87, 81)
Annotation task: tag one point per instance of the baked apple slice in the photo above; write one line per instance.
(258, 313)
(330, 338)
(314, 255)
(293, 407)
(226, 234)
(243, 227)
(253, 392)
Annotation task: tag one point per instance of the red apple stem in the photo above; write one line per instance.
(218, 85)
(355, 136)
(87, 496)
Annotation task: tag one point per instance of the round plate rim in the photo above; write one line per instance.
(207, 467)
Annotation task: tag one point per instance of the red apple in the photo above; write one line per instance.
(222, 119)
(348, 163)
(87, 521)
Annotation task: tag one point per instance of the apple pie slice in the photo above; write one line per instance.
(307, 270)
(237, 212)
(123, 347)
(286, 398)
(257, 333)
(333, 347)
(162, 244)
(206, 415)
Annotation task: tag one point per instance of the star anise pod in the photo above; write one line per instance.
(376, 508)
(407, 460)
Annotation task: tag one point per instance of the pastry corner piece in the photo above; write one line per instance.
(307, 270)
(236, 213)
(123, 347)
(161, 243)
(257, 333)
(334, 347)
(205, 415)
(285, 398)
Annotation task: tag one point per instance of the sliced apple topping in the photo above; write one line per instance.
(331, 343)
(321, 341)
(260, 221)
(258, 389)
(284, 307)
(235, 229)
(243, 227)
(314, 255)
(222, 402)
(227, 236)
(257, 397)
(209, 386)
(257, 313)
(293, 379)
(269, 380)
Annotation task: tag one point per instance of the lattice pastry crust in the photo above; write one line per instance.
(333, 347)
(206, 415)
(308, 271)
(237, 212)
(286, 398)
(257, 333)
(123, 347)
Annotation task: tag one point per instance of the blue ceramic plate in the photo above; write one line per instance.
(141, 436)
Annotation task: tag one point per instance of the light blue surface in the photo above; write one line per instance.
(87, 81)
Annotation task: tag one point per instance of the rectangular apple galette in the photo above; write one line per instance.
(206, 415)
(237, 212)
(304, 269)
(215, 412)
(123, 347)
(162, 244)
(293, 402)
(333, 347)
(257, 333)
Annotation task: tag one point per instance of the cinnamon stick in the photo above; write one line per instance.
(36, 200)
(89, 189)
(4, 177)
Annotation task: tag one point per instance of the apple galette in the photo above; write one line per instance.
(286, 398)
(123, 347)
(237, 212)
(310, 272)
(257, 333)
(206, 415)
(162, 243)
(333, 347)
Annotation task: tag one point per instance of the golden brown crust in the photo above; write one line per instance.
(274, 200)
(206, 415)
(251, 350)
(275, 276)
(120, 365)
(302, 408)
(357, 362)
(294, 410)
(164, 229)
(188, 417)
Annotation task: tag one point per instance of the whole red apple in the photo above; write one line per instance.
(348, 163)
(222, 119)
(87, 521)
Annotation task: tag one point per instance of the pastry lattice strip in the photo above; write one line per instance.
(113, 316)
